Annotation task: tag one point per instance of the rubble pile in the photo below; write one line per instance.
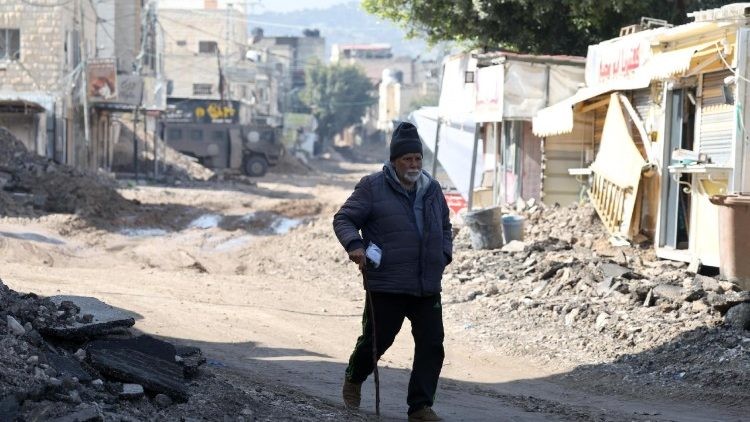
(173, 165)
(54, 351)
(31, 184)
(70, 359)
(577, 302)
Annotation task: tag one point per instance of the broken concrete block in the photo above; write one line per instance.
(708, 284)
(613, 270)
(570, 318)
(80, 354)
(669, 292)
(14, 326)
(601, 320)
(604, 286)
(723, 302)
(131, 391)
(153, 373)
(104, 318)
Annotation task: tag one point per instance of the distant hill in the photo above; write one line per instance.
(346, 23)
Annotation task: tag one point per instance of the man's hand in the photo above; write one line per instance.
(358, 257)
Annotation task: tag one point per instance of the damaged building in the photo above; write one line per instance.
(664, 112)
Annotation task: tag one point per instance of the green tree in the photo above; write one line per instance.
(529, 26)
(338, 96)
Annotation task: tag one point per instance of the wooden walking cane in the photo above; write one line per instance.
(374, 343)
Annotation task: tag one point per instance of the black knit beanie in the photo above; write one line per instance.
(405, 140)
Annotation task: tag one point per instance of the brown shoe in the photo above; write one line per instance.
(352, 393)
(424, 414)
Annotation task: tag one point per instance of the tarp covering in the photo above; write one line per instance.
(456, 145)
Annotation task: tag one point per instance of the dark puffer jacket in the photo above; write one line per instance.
(381, 209)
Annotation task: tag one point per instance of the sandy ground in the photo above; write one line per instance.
(283, 306)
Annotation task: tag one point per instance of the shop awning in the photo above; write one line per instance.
(558, 119)
(669, 63)
(20, 106)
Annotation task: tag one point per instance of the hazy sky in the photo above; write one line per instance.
(288, 5)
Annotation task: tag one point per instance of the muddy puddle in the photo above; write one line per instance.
(257, 223)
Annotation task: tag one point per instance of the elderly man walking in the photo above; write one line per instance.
(404, 246)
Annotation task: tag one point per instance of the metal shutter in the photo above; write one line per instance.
(717, 120)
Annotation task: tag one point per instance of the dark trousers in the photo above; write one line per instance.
(426, 316)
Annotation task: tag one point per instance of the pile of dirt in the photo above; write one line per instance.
(298, 208)
(173, 165)
(32, 184)
(46, 373)
(289, 164)
(578, 302)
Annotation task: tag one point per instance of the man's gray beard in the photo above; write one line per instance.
(412, 176)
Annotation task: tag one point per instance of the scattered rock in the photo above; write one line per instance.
(15, 327)
(708, 284)
(738, 316)
(613, 270)
(514, 246)
(131, 391)
(84, 414)
(722, 302)
(669, 292)
(162, 400)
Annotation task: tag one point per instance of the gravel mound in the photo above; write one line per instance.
(32, 185)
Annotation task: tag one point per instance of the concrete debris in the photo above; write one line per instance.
(15, 327)
(162, 400)
(52, 370)
(514, 246)
(669, 292)
(85, 413)
(598, 302)
(131, 391)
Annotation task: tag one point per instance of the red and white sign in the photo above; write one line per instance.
(616, 61)
(455, 201)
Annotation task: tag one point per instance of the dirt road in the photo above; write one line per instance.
(284, 305)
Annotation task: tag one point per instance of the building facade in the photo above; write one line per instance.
(41, 62)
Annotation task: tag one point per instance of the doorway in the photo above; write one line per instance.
(675, 198)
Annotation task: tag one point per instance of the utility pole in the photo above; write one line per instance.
(138, 72)
(84, 77)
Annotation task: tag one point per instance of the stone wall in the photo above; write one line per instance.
(44, 32)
